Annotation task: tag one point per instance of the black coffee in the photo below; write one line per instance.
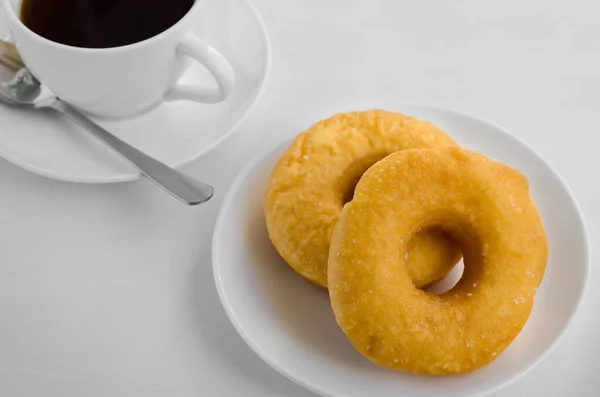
(102, 23)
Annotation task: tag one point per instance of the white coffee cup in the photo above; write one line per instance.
(123, 81)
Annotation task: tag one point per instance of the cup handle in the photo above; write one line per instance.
(216, 64)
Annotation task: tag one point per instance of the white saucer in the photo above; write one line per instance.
(289, 324)
(175, 133)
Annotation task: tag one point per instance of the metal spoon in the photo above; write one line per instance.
(9, 56)
(24, 91)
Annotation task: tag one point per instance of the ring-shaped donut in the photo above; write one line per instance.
(487, 209)
(317, 175)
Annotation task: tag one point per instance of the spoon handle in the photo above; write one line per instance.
(181, 186)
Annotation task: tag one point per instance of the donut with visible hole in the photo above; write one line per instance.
(486, 208)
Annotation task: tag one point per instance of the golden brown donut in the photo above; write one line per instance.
(317, 175)
(486, 207)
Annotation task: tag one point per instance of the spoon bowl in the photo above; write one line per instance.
(22, 90)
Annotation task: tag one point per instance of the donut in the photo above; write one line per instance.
(486, 208)
(316, 176)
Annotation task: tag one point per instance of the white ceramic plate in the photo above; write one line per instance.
(289, 324)
(175, 133)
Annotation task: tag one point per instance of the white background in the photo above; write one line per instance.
(108, 290)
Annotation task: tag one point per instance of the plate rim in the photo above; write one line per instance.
(120, 177)
(257, 349)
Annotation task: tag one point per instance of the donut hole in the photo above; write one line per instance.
(351, 176)
(448, 282)
(430, 256)
(463, 238)
(347, 192)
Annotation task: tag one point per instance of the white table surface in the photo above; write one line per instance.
(108, 290)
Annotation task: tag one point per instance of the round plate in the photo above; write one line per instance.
(288, 322)
(175, 133)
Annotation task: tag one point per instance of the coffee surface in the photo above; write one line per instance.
(102, 23)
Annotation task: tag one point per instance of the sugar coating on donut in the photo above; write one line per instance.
(316, 176)
(487, 208)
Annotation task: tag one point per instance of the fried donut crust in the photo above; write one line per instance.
(486, 207)
(316, 176)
